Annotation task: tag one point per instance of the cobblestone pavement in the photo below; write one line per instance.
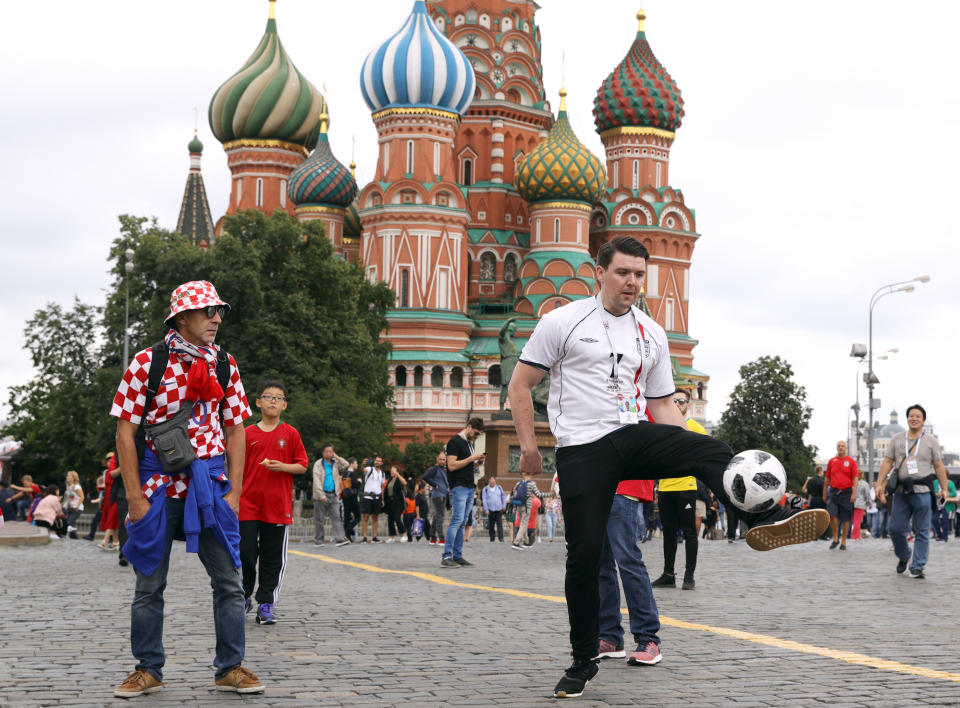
(348, 635)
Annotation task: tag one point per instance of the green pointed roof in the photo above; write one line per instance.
(561, 167)
(267, 99)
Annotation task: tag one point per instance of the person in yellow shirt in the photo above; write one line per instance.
(677, 501)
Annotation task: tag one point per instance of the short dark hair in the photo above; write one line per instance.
(351, 460)
(325, 446)
(685, 392)
(476, 424)
(270, 383)
(917, 406)
(51, 489)
(621, 244)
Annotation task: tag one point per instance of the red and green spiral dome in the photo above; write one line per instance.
(639, 92)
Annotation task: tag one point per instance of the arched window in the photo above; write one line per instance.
(418, 376)
(556, 230)
(616, 175)
(409, 157)
(436, 377)
(436, 158)
(488, 266)
(493, 376)
(456, 377)
(467, 172)
(400, 376)
(510, 268)
(259, 191)
(636, 174)
(471, 16)
(283, 193)
(659, 178)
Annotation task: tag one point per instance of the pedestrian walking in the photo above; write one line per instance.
(494, 501)
(274, 454)
(839, 494)
(327, 480)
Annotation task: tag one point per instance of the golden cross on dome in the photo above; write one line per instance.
(641, 16)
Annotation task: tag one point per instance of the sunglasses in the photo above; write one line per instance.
(679, 401)
(212, 310)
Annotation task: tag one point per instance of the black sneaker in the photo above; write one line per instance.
(576, 679)
(902, 565)
(665, 581)
(689, 584)
(834, 545)
(449, 563)
(916, 573)
(843, 547)
(462, 561)
(376, 540)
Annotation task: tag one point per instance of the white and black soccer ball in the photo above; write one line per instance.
(754, 480)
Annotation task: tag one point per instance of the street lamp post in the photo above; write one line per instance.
(128, 268)
(905, 286)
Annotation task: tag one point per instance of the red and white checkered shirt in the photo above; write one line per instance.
(203, 426)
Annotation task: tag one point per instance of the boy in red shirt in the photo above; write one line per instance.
(274, 454)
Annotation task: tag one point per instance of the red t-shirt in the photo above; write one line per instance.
(841, 471)
(642, 489)
(268, 496)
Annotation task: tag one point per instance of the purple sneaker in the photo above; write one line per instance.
(247, 605)
(265, 614)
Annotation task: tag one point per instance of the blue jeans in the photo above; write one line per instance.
(941, 524)
(620, 550)
(905, 508)
(880, 523)
(146, 612)
(461, 501)
(551, 517)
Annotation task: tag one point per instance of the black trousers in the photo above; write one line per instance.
(589, 475)
(495, 518)
(395, 519)
(351, 515)
(733, 520)
(267, 544)
(678, 510)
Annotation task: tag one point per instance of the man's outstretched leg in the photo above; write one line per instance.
(652, 451)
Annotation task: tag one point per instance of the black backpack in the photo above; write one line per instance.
(160, 357)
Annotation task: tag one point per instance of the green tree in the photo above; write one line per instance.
(420, 455)
(768, 411)
(57, 415)
(299, 313)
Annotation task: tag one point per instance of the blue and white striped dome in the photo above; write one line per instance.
(418, 67)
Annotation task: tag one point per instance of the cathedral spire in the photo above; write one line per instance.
(194, 221)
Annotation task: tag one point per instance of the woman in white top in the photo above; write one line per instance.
(73, 496)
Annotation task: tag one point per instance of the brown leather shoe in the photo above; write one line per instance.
(801, 527)
(136, 684)
(240, 680)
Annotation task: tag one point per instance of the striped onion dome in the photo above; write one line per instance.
(351, 222)
(418, 67)
(267, 99)
(322, 179)
(561, 167)
(639, 92)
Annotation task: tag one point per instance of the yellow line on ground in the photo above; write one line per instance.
(846, 656)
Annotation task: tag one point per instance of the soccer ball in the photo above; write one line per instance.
(755, 481)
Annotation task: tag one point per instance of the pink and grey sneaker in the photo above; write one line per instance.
(609, 650)
(646, 655)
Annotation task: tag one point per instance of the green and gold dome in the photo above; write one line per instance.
(561, 168)
(268, 98)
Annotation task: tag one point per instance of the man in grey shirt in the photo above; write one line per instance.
(913, 457)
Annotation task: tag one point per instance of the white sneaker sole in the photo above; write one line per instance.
(611, 655)
(133, 694)
(802, 527)
(234, 689)
(639, 662)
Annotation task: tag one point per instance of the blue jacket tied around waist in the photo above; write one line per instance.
(204, 509)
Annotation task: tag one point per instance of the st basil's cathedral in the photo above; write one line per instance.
(484, 206)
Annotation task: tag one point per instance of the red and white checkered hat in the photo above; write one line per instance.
(195, 295)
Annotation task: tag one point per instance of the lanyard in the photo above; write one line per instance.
(615, 372)
(913, 447)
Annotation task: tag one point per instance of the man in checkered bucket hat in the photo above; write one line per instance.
(197, 503)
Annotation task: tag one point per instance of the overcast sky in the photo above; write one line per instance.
(819, 150)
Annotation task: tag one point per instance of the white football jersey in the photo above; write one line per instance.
(572, 343)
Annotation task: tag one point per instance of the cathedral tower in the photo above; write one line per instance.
(637, 111)
(266, 116)
(195, 221)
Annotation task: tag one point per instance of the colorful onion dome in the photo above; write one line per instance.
(267, 99)
(195, 146)
(418, 67)
(322, 179)
(351, 222)
(561, 167)
(639, 92)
